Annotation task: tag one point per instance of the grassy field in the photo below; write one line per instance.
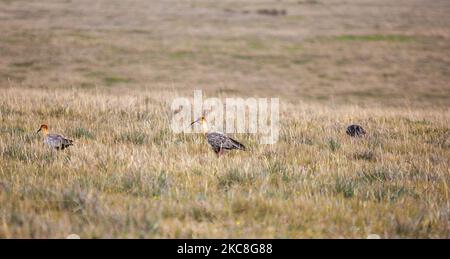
(105, 73)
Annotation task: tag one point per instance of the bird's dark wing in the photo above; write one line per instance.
(221, 141)
(58, 141)
(355, 131)
(236, 144)
(65, 143)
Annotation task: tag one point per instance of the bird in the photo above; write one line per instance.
(355, 130)
(218, 141)
(55, 141)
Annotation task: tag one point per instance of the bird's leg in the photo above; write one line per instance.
(54, 152)
(221, 152)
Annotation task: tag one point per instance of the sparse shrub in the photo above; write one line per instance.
(334, 145)
(277, 171)
(345, 187)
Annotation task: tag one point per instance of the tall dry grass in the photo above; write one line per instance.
(128, 175)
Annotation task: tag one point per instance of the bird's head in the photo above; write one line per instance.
(43, 128)
(202, 121)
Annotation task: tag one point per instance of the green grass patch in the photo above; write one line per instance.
(181, 54)
(112, 80)
(375, 37)
(82, 133)
(107, 78)
(24, 64)
(334, 145)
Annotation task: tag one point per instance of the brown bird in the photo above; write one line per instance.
(55, 141)
(218, 141)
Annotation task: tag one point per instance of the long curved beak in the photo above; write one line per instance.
(38, 130)
(194, 122)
